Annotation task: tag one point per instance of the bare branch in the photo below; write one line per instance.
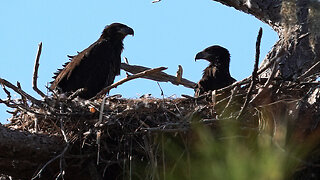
(75, 94)
(20, 91)
(49, 162)
(127, 62)
(159, 76)
(135, 76)
(254, 74)
(162, 94)
(6, 91)
(230, 100)
(312, 70)
(267, 84)
(101, 111)
(35, 72)
(24, 100)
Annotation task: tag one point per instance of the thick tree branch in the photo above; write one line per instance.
(267, 11)
(22, 147)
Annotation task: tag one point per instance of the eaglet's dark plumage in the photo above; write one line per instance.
(95, 67)
(216, 75)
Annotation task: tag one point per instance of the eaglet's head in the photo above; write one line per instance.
(216, 55)
(116, 31)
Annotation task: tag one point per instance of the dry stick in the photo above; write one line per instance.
(49, 162)
(23, 98)
(267, 84)
(102, 108)
(35, 72)
(127, 62)
(159, 76)
(310, 71)
(101, 111)
(20, 91)
(35, 81)
(6, 91)
(230, 100)
(98, 142)
(254, 73)
(67, 146)
(162, 94)
(135, 76)
(59, 156)
(75, 94)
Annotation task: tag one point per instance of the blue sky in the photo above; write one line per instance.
(168, 33)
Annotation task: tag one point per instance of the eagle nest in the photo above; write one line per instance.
(112, 131)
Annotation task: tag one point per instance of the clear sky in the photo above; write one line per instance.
(168, 33)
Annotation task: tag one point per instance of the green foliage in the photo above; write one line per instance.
(227, 151)
(229, 156)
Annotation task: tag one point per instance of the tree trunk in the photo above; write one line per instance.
(298, 26)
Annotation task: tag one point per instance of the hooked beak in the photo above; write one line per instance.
(127, 31)
(201, 55)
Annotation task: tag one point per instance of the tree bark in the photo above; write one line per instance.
(22, 153)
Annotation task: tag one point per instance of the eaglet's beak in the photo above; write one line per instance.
(127, 31)
(201, 55)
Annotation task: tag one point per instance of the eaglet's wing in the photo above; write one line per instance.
(93, 68)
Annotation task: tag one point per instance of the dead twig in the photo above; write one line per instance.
(179, 74)
(254, 74)
(75, 94)
(49, 162)
(230, 100)
(35, 72)
(127, 62)
(312, 70)
(23, 98)
(159, 76)
(61, 155)
(21, 92)
(101, 111)
(267, 84)
(7, 92)
(135, 76)
(162, 94)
